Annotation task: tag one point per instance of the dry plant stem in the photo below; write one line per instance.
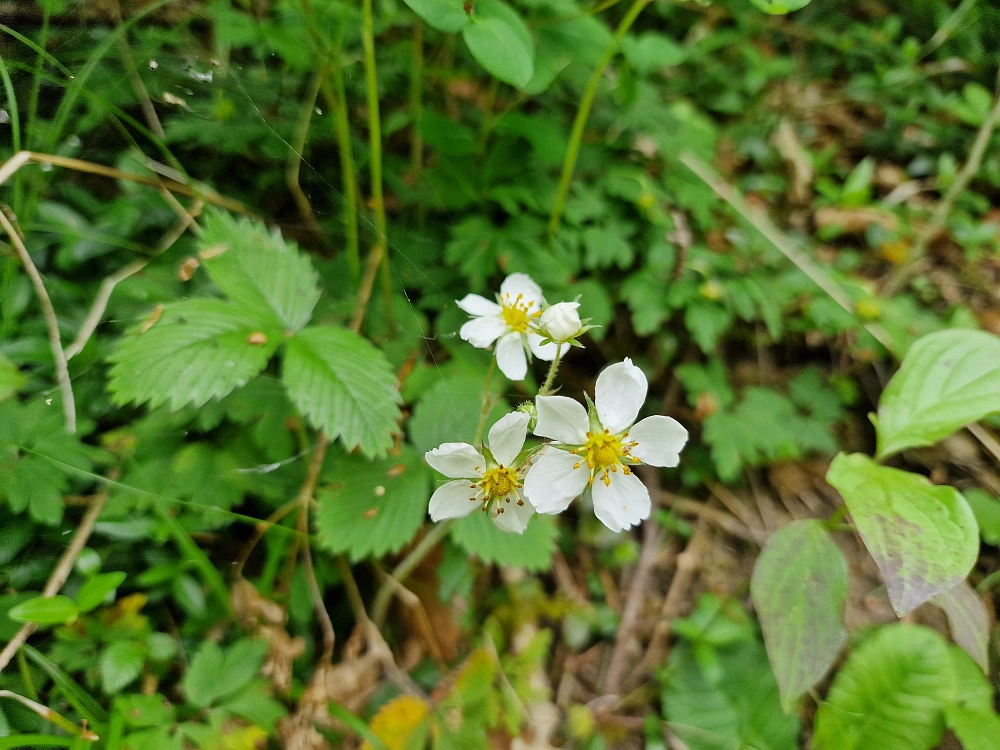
(262, 528)
(51, 322)
(760, 221)
(651, 539)
(380, 607)
(295, 156)
(51, 716)
(145, 103)
(723, 520)
(985, 439)
(412, 601)
(201, 192)
(576, 135)
(60, 574)
(100, 303)
(939, 218)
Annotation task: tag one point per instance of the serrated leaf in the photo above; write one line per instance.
(947, 380)
(121, 663)
(398, 722)
(500, 42)
(37, 485)
(707, 322)
(215, 673)
(532, 550)
(449, 412)
(798, 588)
(444, 15)
(922, 537)
(739, 708)
(371, 508)
(52, 610)
(198, 350)
(889, 694)
(93, 593)
(254, 703)
(258, 270)
(968, 620)
(344, 385)
(145, 710)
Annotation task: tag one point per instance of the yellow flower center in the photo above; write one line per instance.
(604, 453)
(499, 482)
(517, 312)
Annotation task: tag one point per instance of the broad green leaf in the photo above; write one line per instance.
(254, 703)
(947, 380)
(532, 550)
(986, 509)
(500, 42)
(780, 7)
(53, 610)
(215, 673)
(736, 707)
(798, 588)
(444, 15)
(922, 537)
(145, 710)
(371, 508)
(198, 350)
(968, 620)
(37, 485)
(858, 187)
(121, 663)
(93, 593)
(11, 379)
(890, 693)
(976, 730)
(258, 270)
(344, 385)
(650, 52)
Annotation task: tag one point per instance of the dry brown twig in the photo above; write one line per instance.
(723, 520)
(59, 575)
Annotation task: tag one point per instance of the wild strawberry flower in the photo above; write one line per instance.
(560, 322)
(490, 479)
(507, 321)
(594, 452)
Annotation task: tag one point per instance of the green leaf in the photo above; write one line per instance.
(449, 412)
(146, 710)
(947, 380)
(258, 270)
(371, 508)
(798, 587)
(11, 379)
(858, 187)
(734, 707)
(52, 610)
(254, 703)
(121, 663)
(780, 7)
(37, 485)
(890, 694)
(500, 42)
(986, 509)
(215, 674)
(198, 350)
(344, 385)
(976, 730)
(532, 550)
(651, 52)
(968, 620)
(707, 322)
(444, 15)
(93, 593)
(922, 537)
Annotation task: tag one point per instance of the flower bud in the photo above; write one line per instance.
(561, 321)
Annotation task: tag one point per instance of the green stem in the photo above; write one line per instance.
(336, 99)
(375, 160)
(416, 99)
(545, 389)
(576, 136)
(381, 605)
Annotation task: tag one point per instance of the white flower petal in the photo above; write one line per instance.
(521, 283)
(478, 306)
(507, 437)
(545, 352)
(451, 500)
(481, 332)
(552, 482)
(457, 461)
(511, 357)
(514, 517)
(561, 418)
(660, 440)
(620, 393)
(622, 503)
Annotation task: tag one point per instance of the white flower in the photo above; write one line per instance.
(491, 482)
(561, 321)
(520, 300)
(597, 451)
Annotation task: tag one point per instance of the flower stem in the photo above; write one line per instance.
(381, 605)
(484, 409)
(547, 385)
(576, 136)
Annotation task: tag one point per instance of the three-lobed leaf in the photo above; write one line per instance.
(923, 537)
(798, 588)
(120, 664)
(947, 380)
(215, 673)
(344, 386)
(890, 694)
(500, 42)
